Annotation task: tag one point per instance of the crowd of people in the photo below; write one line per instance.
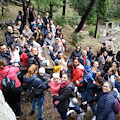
(94, 78)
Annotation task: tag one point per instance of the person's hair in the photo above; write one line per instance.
(100, 80)
(98, 53)
(102, 73)
(1, 44)
(69, 65)
(76, 59)
(31, 70)
(3, 63)
(111, 84)
(12, 47)
(31, 51)
(113, 70)
(32, 38)
(41, 34)
(59, 52)
(20, 12)
(60, 35)
(89, 47)
(33, 7)
(79, 46)
(72, 116)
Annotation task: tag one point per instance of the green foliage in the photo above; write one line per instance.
(92, 30)
(60, 20)
(77, 38)
(73, 19)
(98, 35)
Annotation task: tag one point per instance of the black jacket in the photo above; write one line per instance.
(64, 95)
(33, 60)
(118, 56)
(76, 54)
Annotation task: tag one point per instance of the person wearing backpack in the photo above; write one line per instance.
(33, 81)
(12, 96)
(107, 103)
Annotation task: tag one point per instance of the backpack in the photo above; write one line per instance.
(8, 85)
(117, 106)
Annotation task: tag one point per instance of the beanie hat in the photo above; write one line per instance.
(74, 102)
(42, 70)
(56, 75)
(87, 61)
(56, 62)
(57, 38)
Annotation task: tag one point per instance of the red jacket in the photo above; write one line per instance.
(78, 73)
(24, 59)
(11, 74)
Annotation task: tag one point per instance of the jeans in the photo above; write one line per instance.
(63, 115)
(85, 97)
(39, 102)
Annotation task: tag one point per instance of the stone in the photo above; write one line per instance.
(6, 113)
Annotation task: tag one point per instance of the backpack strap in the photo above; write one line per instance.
(6, 74)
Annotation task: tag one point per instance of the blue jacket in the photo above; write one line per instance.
(105, 108)
(34, 81)
(6, 56)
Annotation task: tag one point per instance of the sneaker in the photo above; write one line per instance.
(41, 119)
(32, 112)
(21, 114)
(94, 118)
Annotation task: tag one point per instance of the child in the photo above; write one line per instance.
(56, 66)
(87, 66)
(14, 54)
(55, 86)
(52, 54)
(34, 25)
(73, 105)
(16, 31)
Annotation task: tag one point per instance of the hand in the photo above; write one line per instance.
(77, 82)
(11, 61)
(76, 57)
(94, 82)
(84, 103)
(17, 65)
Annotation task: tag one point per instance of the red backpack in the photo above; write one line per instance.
(24, 59)
(117, 105)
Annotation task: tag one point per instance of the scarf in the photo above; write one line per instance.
(64, 84)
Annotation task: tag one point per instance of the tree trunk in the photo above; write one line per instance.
(84, 17)
(25, 10)
(97, 23)
(64, 7)
(2, 3)
(51, 9)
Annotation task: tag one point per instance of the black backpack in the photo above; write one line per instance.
(8, 85)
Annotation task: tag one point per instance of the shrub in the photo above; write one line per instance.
(92, 30)
(60, 20)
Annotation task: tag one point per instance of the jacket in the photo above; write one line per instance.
(56, 69)
(11, 74)
(105, 108)
(55, 87)
(33, 60)
(78, 73)
(49, 41)
(34, 14)
(6, 56)
(57, 48)
(75, 54)
(34, 81)
(82, 60)
(64, 95)
(24, 59)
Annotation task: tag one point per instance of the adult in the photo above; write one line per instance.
(104, 58)
(9, 36)
(106, 103)
(49, 40)
(27, 32)
(57, 46)
(83, 57)
(40, 40)
(76, 53)
(46, 19)
(19, 17)
(118, 56)
(13, 97)
(33, 81)
(64, 94)
(53, 29)
(109, 50)
(19, 26)
(4, 53)
(33, 57)
(77, 68)
(31, 14)
(89, 53)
